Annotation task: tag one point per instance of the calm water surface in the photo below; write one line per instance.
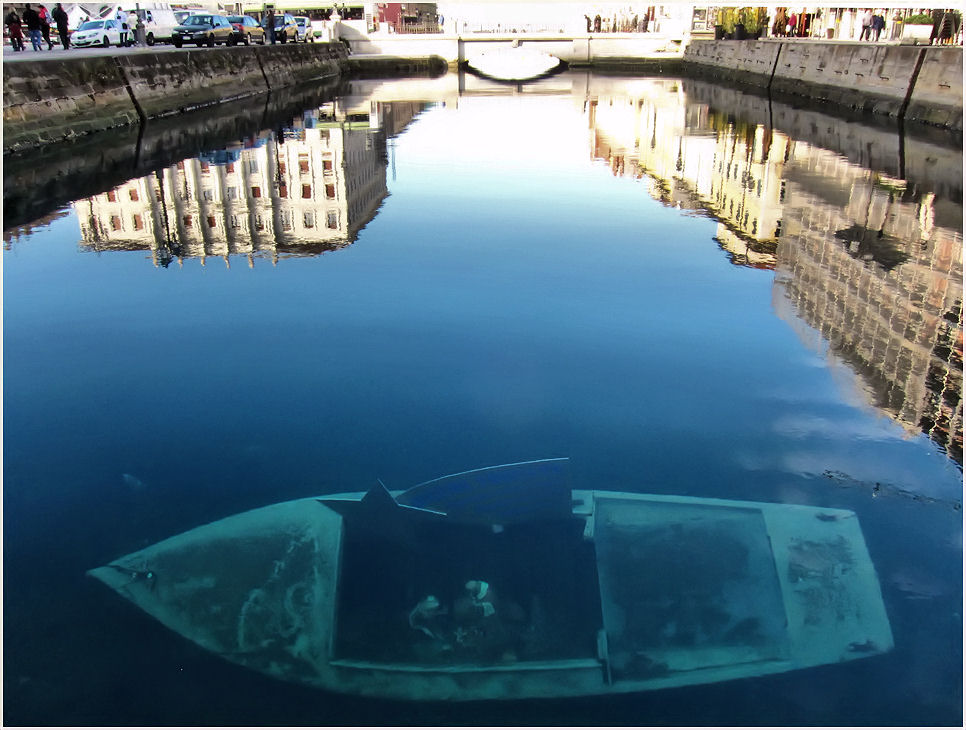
(685, 290)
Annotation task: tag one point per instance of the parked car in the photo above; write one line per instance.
(181, 15)
(247, 29)
(158, 18)
(286, 28)
(305, 29)
(97, 33)
(205, 30)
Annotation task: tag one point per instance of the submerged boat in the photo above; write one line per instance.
(514, 63)
(505, 583)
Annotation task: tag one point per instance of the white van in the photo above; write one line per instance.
(158, 19)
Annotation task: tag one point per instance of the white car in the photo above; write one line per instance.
(97, 33)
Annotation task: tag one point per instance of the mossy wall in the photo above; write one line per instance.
(55, 99)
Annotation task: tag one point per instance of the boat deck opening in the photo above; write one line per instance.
(543, 576)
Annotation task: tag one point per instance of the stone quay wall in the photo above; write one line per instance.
(52, 100)
(914, 83)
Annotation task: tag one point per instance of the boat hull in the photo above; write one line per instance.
(261, 589)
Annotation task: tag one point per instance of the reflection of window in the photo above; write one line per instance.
(259, 225)
(256, 191)
(115, 222)
(327, 165)
(112, 196)
(134, 194)
(208, 194)
(230, 167)
(253, 165)
(308, 219)
(231, 193)
(180, 165)
(211, 221)
(307, 191)
(138, 222)
(204, 168)
(283, 190)
(332, 219)
(235, 222)
(304, 163)
(187, 221)
(281, 167)
(330, 191)
(157, 195)
(286, 220)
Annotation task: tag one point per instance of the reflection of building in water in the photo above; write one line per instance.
(305, 190)
(861, 258)
(697, 160)
(863, 262)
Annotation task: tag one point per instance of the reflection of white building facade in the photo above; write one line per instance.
(862, 262)
(307, 190)
(859, 257)
(698, 160)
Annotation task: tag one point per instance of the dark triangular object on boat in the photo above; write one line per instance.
(379, 512)
(506, 494)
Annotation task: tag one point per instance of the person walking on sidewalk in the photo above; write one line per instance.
(866, 34)
(15, 27)
(45, 25)
(270, 25)
(59, 16)
(32, 20)
(878, 23)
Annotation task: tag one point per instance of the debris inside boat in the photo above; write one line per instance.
(506, 583)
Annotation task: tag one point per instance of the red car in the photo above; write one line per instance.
(247, 29)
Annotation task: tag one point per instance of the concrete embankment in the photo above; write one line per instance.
(52, 100)
(913, 83)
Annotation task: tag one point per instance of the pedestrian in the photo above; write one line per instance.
(878, 23)
(791, 29)
(132, 24)
(270, 25)
(59, 16)
(32, 20)
(866, 34)
(45, 25)
(597, 23)
(121, 17)
(781, 20)
(15, 28)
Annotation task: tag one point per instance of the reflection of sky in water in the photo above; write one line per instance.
(512, 298)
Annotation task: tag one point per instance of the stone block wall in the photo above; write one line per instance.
(856, 75)
(51, 100)
(865, 76)
(298, 63)
(940, 77)
(54, 99)
(171, 83)
(747, 62)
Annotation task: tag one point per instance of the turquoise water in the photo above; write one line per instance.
(640, 274)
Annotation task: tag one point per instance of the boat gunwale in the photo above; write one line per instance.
(527, 666)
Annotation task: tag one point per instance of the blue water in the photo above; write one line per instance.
(512, 298)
